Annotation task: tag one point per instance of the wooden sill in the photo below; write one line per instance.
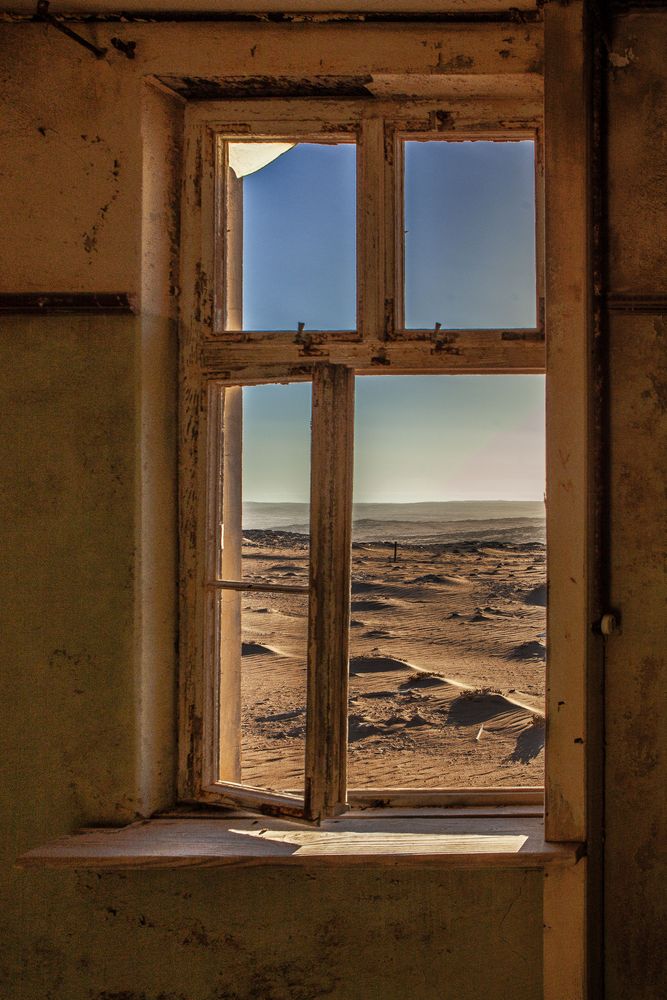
(452, 842)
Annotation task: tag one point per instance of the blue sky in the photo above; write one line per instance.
(417, 438)
(469, 263)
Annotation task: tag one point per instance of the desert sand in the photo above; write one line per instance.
(447, 657)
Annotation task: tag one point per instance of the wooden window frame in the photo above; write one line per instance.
(215, 356)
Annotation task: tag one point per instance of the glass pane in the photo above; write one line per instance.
(469, 235)
(448, 626)
(276, 483)
(261, 503)
(298, 235)
(273, 691)
(263, 689)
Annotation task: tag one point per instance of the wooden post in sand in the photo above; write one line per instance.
(230, 609)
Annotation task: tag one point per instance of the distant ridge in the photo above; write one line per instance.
(428, 522)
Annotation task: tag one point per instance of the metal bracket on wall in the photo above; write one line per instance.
(43, 14)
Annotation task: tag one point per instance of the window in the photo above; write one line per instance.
(426, 274)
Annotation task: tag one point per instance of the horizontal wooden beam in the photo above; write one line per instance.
(297, 355)
(266, 50)
(260, 588)
(479, 106)
(290, 10)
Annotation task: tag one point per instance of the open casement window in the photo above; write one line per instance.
(240, 343)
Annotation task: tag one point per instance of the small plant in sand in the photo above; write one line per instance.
(472, 694)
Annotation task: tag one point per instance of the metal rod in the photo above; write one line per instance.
(44, 15)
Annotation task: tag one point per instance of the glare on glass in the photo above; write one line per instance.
(469, 235)
(298, 254)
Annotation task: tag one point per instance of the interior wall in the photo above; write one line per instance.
(88, 466)
(88, 584)
(636, 666)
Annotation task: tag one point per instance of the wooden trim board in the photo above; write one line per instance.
(460, 842)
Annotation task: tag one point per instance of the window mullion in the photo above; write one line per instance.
(329, 611)
(371, 230)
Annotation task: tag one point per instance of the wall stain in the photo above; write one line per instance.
(91, 235)
(459, 62)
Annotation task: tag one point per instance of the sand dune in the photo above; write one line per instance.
(371, 605)
(446, 662)
(538, 595)
(376, 664)
(445, 581)
(257, 649)
(533, 650)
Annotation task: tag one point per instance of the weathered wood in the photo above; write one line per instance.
(229, 664)
(446, 797)
(372, 249)
(273, 355)
(228, 793)
(540, 261)
(570, 420)
(494, 111)
(574, 669)
(210, 663)
(309, 10)
(262, 588)
(565, 932)
(495, 49)
(193, 682)
(234, 357)
(329, 606)
(172, 843)
(395, 228)
(229, 290)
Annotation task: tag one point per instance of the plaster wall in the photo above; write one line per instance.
(88, 608)
(88, 580)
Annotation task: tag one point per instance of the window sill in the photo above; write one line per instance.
(451, 842)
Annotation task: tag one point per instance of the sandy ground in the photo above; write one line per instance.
(447, 653)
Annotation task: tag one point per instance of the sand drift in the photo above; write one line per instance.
(447, 657)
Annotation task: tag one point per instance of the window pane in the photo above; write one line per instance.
(263, 689)
(299, 235)
(276, 483)
(448, 582)
(262, 495)
(469, 235)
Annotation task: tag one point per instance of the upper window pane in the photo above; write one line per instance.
(469, 235)
(298, 254)
(276, 483)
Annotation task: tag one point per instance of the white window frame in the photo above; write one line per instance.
(381, 344)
